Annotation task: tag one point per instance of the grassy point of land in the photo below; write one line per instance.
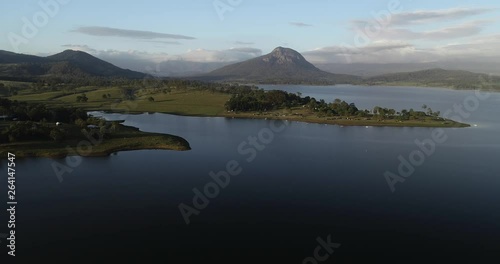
(124, 139)
(302, 115)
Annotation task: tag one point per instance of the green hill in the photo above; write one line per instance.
(67, 64)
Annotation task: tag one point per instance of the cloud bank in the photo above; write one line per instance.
(127, 33)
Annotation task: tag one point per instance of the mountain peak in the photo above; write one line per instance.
(282, 65)
(71, 51)
(281, 55)
(71, 55)
(282, 49)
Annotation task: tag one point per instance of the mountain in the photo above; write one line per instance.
(282, 65)
(11, 57)
(438, 77)
(374, 69)
(67, 64)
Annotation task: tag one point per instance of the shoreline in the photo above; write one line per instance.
(395, 85)
(356, 123)
(318, 120)
(129, 139)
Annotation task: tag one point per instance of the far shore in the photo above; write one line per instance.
(394, 85)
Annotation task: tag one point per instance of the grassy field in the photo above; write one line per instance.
(125, 138)
(197, 103)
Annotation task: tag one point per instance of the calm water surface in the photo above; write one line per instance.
(311, 181)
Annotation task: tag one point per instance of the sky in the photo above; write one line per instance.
(354, 31)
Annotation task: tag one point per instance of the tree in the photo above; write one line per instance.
(151, 99)
(36, 112)
(80, 123)
(103, 131)
(57, 134)
(429, 111)
(382, 112)
(424, 106)
(115, 126)
(312, 104)
(82, 98)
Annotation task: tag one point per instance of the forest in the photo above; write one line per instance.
(257, 100)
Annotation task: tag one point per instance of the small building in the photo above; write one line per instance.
(92, 127)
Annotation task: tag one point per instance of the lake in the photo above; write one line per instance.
(305, 183)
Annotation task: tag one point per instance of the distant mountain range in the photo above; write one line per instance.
(285, 65)
(438, 78)
(282, 65)
(374, 69)
(69, 63)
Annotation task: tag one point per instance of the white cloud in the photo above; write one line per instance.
(381, 51)
(243, 43)
(428, 16)
(476, 50)
(424, 17)
(451, 32)
(147, 61)
(127, 33)
(300, 24)
(164, 42)
(229, 55)
(401, 26)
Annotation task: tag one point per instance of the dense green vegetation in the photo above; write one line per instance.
(34, 121)
(35, 130)
(262, 101)
(91, 142)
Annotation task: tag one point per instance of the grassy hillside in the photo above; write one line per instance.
(189, 102)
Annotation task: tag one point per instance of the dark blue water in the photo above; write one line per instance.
(310, 181)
